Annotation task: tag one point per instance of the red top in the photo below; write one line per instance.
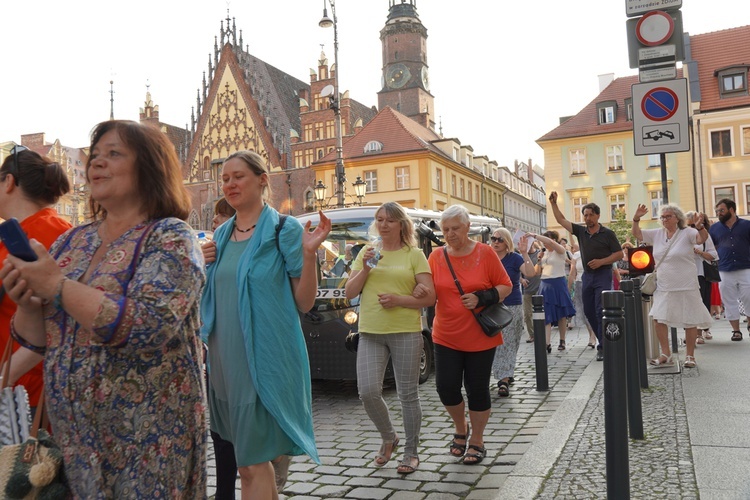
(455, 326)
(44, 226)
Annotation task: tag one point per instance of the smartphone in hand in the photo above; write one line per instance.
(15, 240)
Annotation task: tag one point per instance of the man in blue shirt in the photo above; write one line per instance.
(731, 236)
(599, 250)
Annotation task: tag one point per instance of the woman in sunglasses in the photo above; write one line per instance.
(515, 264)
(31, 186)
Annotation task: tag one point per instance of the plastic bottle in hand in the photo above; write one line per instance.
(377, 246)
(202, 239)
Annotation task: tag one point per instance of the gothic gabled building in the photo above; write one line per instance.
(248, 104)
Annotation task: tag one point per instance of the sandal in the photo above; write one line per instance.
(707, 334)
(736, 335)
(591, 345)
(474, 458)
(699, 339)
(384, 454)
(689, 362)
(502, 389)
(408, 465)
(662, 360)
(460, 447)
(561, 347)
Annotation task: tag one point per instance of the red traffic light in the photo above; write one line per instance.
(641, 260)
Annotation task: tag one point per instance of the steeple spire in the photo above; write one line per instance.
(111, 99)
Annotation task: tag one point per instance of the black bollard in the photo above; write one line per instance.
(675, 343)
(615, 415)
(540, 343)
(640, 335)
(635, 414)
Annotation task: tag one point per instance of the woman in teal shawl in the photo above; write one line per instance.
(259, 392)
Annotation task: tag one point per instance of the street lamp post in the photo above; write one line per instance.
(327, 22)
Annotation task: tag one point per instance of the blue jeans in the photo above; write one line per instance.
(594, 282)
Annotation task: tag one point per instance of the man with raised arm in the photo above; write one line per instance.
(599, 250)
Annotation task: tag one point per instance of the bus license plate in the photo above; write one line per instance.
(331, 293)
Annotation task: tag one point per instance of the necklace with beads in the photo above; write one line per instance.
(244, 230)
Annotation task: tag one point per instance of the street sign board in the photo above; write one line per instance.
(657, 73)
(652, 34)
(660, 117)
(638, 7)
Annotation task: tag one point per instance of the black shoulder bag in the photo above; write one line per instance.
(492, 318)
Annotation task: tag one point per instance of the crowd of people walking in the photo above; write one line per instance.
(123, 312)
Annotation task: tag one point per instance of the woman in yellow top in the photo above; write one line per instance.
(390, 327)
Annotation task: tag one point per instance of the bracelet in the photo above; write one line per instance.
(636, 220)
(22, 342)
(57, 301)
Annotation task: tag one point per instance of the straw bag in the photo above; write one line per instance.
(33, 469)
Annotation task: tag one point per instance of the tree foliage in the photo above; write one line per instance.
(621, 226)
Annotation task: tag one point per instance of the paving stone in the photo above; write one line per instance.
(347, 440)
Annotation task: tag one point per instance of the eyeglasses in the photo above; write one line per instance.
(666, 217)
(721, 211)
(497, 239)
(14, 164)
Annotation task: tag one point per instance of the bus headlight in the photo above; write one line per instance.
(351, 317)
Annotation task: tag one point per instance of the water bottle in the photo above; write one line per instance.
(377, 245)
(202, 239)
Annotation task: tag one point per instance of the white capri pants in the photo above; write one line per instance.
(735, 287)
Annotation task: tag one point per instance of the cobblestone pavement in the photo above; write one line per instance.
(347, 440)
(661, 465)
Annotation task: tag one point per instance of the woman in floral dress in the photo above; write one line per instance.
(117, 312)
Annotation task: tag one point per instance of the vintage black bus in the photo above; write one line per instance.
(333, 317)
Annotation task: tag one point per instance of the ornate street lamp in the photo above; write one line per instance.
(327, 22)
(360, 187)
(320, 193)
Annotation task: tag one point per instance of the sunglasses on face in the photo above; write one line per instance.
(14, 169)
(497, 239)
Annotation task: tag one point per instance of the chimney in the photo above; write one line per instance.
(33, 141)
(605, 80)
(531, 172)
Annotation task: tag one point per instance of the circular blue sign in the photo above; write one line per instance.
(659, 104)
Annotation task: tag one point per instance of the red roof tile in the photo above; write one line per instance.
(586, 122)
(717, 50)
(397, 132)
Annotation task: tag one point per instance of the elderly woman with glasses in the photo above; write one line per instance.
(677, 300)
(463, 353)
(515, 264)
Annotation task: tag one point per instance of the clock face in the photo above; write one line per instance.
(397, 76)
(425, 79)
